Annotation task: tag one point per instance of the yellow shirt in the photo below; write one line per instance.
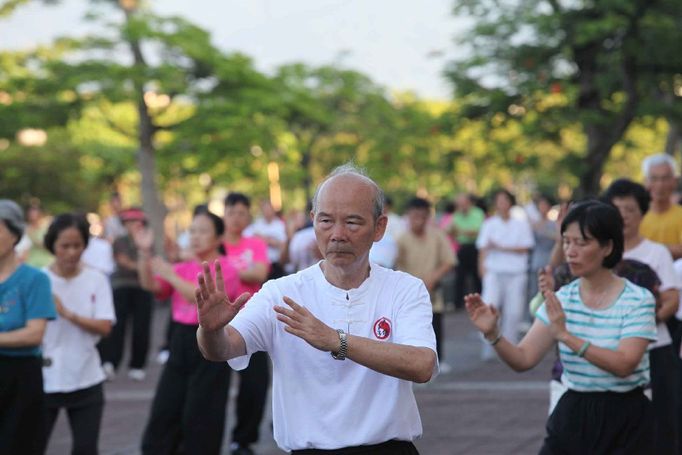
(663, 227)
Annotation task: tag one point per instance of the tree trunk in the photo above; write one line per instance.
(672, 140)
(151, 203)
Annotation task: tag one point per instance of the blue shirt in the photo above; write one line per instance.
(25, 295)
(632, 315)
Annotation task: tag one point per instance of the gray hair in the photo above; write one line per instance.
(657, 160)
(351, 169)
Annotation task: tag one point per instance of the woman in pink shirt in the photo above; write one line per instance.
(188, 411)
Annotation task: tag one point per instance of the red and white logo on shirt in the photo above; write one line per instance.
(382, 328)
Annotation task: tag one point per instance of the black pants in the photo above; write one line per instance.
(467, 268)
(437, 323)
(253, 388)
(188, 411)
(135, 304)
(665, 398)
(392, 447)
(84, 409)
(22, 406)
(600, 423)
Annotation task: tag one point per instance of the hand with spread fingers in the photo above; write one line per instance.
(556, 315)
(213, 306)
(483, 316)
(301, 322)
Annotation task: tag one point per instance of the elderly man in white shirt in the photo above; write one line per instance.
(375, 323)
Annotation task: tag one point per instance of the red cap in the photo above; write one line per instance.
(132, 214)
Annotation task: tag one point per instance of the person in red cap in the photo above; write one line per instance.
(131, 301)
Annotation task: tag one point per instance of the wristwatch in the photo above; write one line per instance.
(343, 349)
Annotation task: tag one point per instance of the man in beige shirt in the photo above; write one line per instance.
(424, 251)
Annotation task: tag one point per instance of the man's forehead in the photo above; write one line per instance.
(662, 168)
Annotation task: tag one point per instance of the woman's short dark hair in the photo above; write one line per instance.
(62, 222)
(627, 188)
(602, 222)
(510, 196)
(218, 226)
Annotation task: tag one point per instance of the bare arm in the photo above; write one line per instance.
(29, 336)
(220, 345)
(257, 273)
(100, 327)
(669, 301)
(675, 250)
(410, 363)
(621, 362)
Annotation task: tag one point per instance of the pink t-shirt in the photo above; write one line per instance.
(242, 255)
(183, 311)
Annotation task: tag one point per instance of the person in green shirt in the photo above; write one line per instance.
(466, 222)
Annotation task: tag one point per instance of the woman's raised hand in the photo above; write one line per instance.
(482, 315)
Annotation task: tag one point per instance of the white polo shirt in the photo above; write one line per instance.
(322, 403)
(657, 256)
(74, 360)
(512, 233)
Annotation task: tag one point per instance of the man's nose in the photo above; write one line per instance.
(338, 231)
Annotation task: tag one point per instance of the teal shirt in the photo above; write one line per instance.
(25, 295)
(472, 221)
(632, 315)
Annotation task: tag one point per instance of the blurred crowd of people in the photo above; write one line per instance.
(68, 297)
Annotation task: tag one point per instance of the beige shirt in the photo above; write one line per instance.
(421, 256)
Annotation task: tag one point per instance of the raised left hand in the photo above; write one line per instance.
(299, 321)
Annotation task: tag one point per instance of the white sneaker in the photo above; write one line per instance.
(137, 374)
(109, 371)
(162, 357)
(445, 368)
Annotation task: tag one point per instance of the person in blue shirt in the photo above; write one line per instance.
(26, 305)
(603, 325)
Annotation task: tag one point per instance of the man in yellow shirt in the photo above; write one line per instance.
(663, 222)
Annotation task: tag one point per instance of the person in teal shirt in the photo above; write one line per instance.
(466, 222)
(26, 305)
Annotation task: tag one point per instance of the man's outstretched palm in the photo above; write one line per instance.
(213, 306)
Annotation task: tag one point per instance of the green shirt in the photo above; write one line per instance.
(471, 221)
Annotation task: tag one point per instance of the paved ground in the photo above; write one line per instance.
(478, 408)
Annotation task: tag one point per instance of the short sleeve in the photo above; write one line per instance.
(562, 295)
(104, 310)
(260, 251)
(255, 324)
(165, 288)
(39, 302)
(413, 324)
(482, 239)
(666, 270)
(640, 321)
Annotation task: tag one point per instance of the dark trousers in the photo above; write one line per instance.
(188, 411)
(253, 388)
(665, 397)
(600, 423)
(136, 304)
(437, 323)
(22, 406)
(467, 268)
(84, 409)
(392, 447)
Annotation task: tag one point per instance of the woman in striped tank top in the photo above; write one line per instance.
(603, 324)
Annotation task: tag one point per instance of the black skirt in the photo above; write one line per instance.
(600, 423)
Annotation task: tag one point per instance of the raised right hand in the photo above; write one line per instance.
(214, 308)
(482, 315)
